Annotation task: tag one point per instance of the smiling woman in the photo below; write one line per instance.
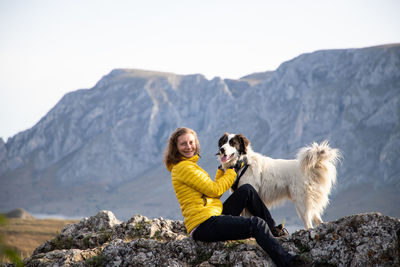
(206, 218)
(187, 145)
(183, 142)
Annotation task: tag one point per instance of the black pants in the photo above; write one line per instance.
(231, 226)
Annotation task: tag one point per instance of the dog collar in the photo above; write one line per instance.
(243, 168)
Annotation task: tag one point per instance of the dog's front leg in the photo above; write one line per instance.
(246, 213)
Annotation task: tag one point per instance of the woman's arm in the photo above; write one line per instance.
(189, 174)
(219, 174)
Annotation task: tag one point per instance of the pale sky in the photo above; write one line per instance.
(49, 48)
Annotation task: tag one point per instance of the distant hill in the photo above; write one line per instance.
(19, 213)
(101, 148)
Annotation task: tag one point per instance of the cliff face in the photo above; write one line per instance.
(369, 239)
(102, 148)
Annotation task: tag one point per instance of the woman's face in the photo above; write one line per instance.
(187, 145)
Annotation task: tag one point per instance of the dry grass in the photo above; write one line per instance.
(26, 235)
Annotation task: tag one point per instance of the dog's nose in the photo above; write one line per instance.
(222, 150)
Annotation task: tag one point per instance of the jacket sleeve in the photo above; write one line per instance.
(219, 174)
(199, 180)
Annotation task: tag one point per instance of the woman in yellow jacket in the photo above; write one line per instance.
(205, 217)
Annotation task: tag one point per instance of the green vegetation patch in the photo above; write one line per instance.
(98, 260)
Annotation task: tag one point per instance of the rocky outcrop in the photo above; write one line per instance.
(369, 239)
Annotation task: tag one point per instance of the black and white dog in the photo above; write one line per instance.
(307, 180)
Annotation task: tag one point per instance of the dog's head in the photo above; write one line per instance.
(231, 148)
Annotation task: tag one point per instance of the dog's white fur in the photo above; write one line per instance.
(307, 181)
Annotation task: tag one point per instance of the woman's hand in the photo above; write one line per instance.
(238, 165)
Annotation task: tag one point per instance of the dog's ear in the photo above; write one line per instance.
(223, 139)
(244, 142)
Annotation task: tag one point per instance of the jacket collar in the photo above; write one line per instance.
(193, 159)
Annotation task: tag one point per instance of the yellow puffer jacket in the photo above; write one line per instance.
(197, 194)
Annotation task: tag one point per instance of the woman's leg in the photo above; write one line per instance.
(228, 227)
(247, 197)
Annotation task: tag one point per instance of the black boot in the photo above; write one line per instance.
(279, 231)
(297, 261)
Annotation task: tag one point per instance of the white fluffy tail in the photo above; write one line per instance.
(318, 162)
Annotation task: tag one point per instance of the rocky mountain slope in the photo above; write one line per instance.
(101, 148)
(369, 239)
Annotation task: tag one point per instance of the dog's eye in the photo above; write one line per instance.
(232, 142)
(222, 140)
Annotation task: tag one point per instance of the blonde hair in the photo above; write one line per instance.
(172, 155)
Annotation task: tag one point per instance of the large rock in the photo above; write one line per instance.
(369, 239)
